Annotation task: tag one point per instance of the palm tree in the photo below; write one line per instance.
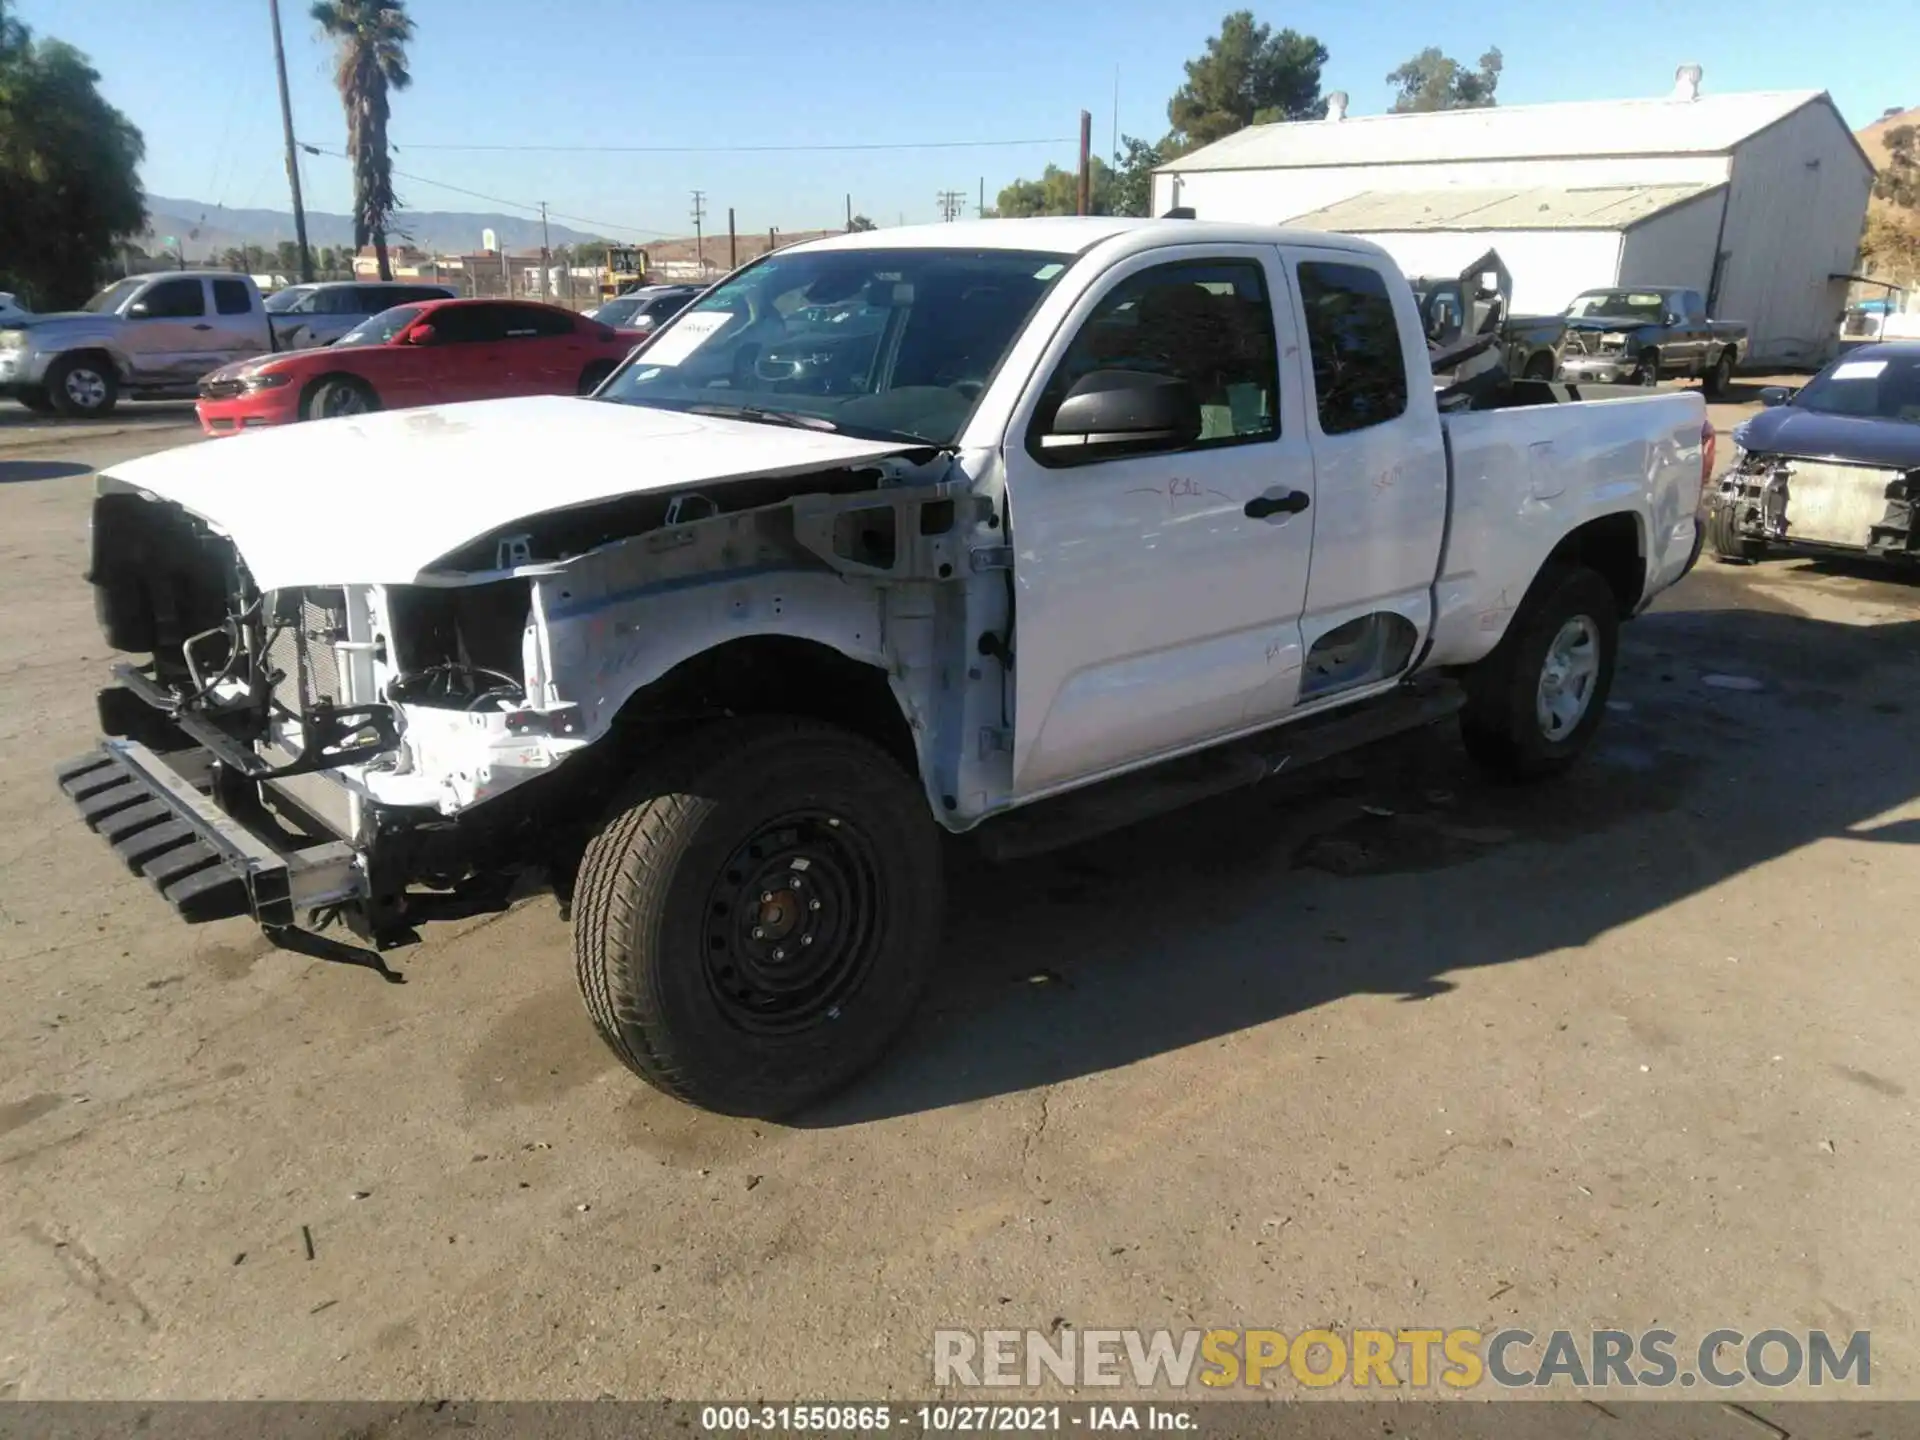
(370, 39)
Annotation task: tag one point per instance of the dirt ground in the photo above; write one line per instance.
(1384, 1046)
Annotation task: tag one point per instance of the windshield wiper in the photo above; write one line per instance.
(764, 417)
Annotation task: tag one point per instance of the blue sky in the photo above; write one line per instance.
(198, 79)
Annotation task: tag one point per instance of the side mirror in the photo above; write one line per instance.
(137, 310)
(1124, 409)
(1775, 395)
(1670, 318)
(420, 335)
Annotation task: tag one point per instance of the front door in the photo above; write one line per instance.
(169, 337)
(471, 357)
(1158, 590)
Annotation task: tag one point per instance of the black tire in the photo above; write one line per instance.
(1729, 546)
(1720, 376)
(38, 401)
(83, 387)
(669, 907)
(340, 395)
(1647, 370)
(594, 376)
(1502, 725)
(1540, 367)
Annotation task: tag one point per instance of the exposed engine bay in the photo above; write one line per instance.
(1818, 504)
(372, 721)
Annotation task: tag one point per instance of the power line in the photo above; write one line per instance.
(531, 207)
(951, 202)
(751, 149)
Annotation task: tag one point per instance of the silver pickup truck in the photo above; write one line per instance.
(148, 337)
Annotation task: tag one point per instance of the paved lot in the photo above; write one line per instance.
(1389, 1048)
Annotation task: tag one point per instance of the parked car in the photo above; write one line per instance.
(647, 308)
(1645, 334)
(321, 313)
(431, 352)
(146, 337)
(744, 649)
(1833, 466)
(1449, 304)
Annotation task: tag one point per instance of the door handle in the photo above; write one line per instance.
(1277, 502)
(203, 326)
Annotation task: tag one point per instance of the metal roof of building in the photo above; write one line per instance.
(1597, 207)
(1706, 125)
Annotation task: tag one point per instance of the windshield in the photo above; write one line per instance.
(616, 312)
(379, 329)
(1882, 388)
(1640, 305)
(114, 296)
(892, 344)
(282, 301)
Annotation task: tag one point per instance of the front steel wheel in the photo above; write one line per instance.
(757, 918)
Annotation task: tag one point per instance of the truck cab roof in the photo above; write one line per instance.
(1076, 234)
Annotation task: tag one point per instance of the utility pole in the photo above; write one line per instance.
(546, 256)
(733, 243)
(293, 165)
(981, 212)
(849, 212)
(951, 202)
(699, 238)
(773, 242)
(1086, 163)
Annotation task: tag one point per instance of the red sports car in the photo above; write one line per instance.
(433, 353)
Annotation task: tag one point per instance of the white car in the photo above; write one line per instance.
(724, 649)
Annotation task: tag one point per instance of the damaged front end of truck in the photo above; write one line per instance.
(369, 756)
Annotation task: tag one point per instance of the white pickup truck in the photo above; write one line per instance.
(1022, 529)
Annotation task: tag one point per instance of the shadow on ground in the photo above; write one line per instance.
(1278, 900)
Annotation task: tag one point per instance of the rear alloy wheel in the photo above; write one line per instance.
(1534, 703)
(82, 387)
(756, 921)
(340, 396)
(1647, 372)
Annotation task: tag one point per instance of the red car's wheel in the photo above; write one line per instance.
(340, 395)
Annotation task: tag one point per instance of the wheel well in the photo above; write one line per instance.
(98, 356)
(776, 675)
(1610, 546)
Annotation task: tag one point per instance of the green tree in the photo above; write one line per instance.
(1133, 171)
(1057, 192)
(286, 259)
(1433, 81)
(69, 170)
(233, 258)
(1898, 182)
(370, 45)
(1249, 76)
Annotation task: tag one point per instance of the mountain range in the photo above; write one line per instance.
(203, 231)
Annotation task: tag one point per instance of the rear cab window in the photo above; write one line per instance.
(232, 297)
(1353, 340)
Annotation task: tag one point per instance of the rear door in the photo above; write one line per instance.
(547, 354)
(1692, 330)
(1156, 610)
(238, 328)
(1380, 473)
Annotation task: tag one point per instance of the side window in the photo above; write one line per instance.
(1690, 305)
(1207, 322)
(532, 322)
(175, 300)
(1359, 372)
(341, 300)
(469, 324)
(231, 297)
